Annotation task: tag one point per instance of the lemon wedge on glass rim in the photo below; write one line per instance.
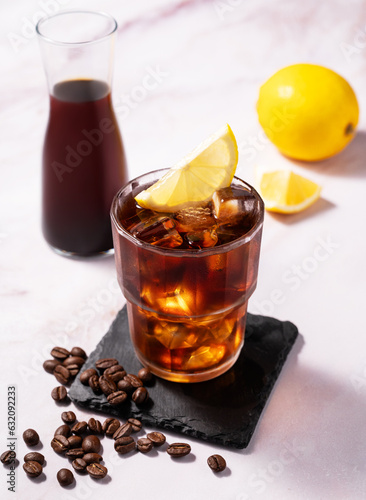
(285, 192)
(194, 179)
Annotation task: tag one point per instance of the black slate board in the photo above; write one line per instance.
(224, 410)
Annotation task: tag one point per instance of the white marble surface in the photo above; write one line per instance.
(310, 441)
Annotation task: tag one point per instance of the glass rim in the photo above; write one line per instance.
(45, 19)
(193, 252)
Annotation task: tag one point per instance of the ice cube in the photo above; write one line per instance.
(174, 335)
(232, 204)
(193, 219)
(204, 357)
(157, 230)
(202, 239)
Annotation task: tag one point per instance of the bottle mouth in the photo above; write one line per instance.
(76, 27)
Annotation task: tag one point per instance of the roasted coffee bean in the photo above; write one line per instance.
(78, 351)
(157, 438)
(97, 471)
(68, 417)
(123, 431)
(140, 395)
(145, 375)
(34, 456)
(60, 353)
(124, 445)
(32, 468)
(8, 457)
(178, 450)
(74, 360)
(94, 384)
(91, 458)
(63, 430)
(74, 370)
(107, 385)
(31, 437)
(86, 374)
(136, 424)
(115, 372)
(95, 426)
(133, 380)
(75, 453)
(79, 464)
(59, 443)
(65, 477)
(117, 398)
(103, 364)
(216, 462)
(62, 374)
(144, 445)
(74, 441)
(125, 386)
(50, 364)
(59, 393)
(91, 444)
(110, 425)
(79, 428)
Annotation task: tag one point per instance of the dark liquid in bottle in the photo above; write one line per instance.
(83, 167)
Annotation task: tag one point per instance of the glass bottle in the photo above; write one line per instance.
(84, 162)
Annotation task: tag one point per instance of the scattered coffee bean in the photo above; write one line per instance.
(59, 394)
(103, 364)
(157, 438)
(136, 424)
(110, 426)
(30, 437)
(7, 457)
(125, 386)
(124, 445)
(86, 374)
(94, 384)
(117, 398)
(59, 443)
(140, 395)
(34, 456)
(123, 431)
(63, 430)
(32, 468)
(74, 360)
(50, 364)
(91, 458)
(79, 428)
(91, 444)
(68, 417)
(74, 441)
(75, 453)
(178, 450)
(97, 471)
(107, 385)
(65, 477)
(145, 375)
(73, 369)
(78, 351)
(79, 464)
(133, 380)
(62, 374)
(60, 353)
(144, 445)
(95, 426)
(216, 462)
(115, 372)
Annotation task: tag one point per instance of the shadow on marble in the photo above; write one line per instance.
(321, 205)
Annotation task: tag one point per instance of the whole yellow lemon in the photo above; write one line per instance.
(309, 112)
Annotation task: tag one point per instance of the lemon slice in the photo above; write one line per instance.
(193, 180)
(285, 192)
